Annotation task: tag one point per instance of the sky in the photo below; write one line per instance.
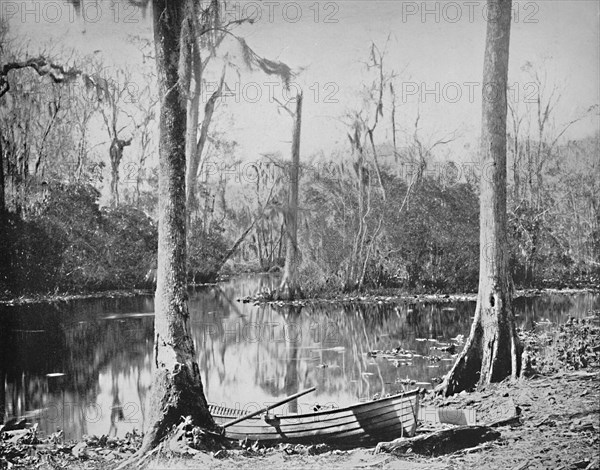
(435, 48)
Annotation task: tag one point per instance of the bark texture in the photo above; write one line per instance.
(492, 351)
(177, 387)
(289, 289)
(2, 190)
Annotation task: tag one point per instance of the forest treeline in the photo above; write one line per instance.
(78, 198)
(62, 240)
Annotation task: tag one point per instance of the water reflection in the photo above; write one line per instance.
(249, 355)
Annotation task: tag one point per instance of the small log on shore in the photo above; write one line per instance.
(440, 442)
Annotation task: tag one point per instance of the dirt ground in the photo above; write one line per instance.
(559, 429)
(558, 425)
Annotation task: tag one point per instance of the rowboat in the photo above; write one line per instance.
(363, 424)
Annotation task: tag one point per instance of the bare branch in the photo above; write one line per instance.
(284, 106)
(588, 112)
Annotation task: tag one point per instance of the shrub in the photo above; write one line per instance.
(205, 250)
(69, 244)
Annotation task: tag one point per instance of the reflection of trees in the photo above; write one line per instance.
(70, 338)
(243, 349)
(110, 358)
(116, 410)
(117, 349)
(291, 380)
(214, 313)
(236, 332)
(365, 327)
(553, 307)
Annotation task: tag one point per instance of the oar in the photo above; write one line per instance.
(267, 408)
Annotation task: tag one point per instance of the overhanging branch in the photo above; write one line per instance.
(42, 66)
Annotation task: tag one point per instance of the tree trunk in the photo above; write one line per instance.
(177, 387)
(492, 351)
(191, 156)
(289, 289)
(2, 197)
(196, 149)
(235, 246)
(116, 155)
(516, 160)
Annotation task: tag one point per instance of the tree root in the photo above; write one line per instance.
(440, 442)
(184, 440)
(175, 393)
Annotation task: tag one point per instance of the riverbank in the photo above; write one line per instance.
(391, 297)
(558, 428)
(58, 298)
(380, 295)
(260, 298)
(555, 409)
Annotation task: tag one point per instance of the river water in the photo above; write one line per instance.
(84, 366)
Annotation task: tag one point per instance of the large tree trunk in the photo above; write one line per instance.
(289, 289)
(492, 351)
(177, 387)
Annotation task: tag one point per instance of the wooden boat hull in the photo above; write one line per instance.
(363, 424)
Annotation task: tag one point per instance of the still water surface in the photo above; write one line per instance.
(85, 366)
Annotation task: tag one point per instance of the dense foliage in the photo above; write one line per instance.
(554, 217)
(206, 249)
(422, 238)
(67, 243)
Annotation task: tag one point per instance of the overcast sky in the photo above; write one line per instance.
(435, 47)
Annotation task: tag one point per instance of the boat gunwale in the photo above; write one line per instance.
(379, 402)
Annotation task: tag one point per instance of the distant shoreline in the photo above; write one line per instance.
(369, 296)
